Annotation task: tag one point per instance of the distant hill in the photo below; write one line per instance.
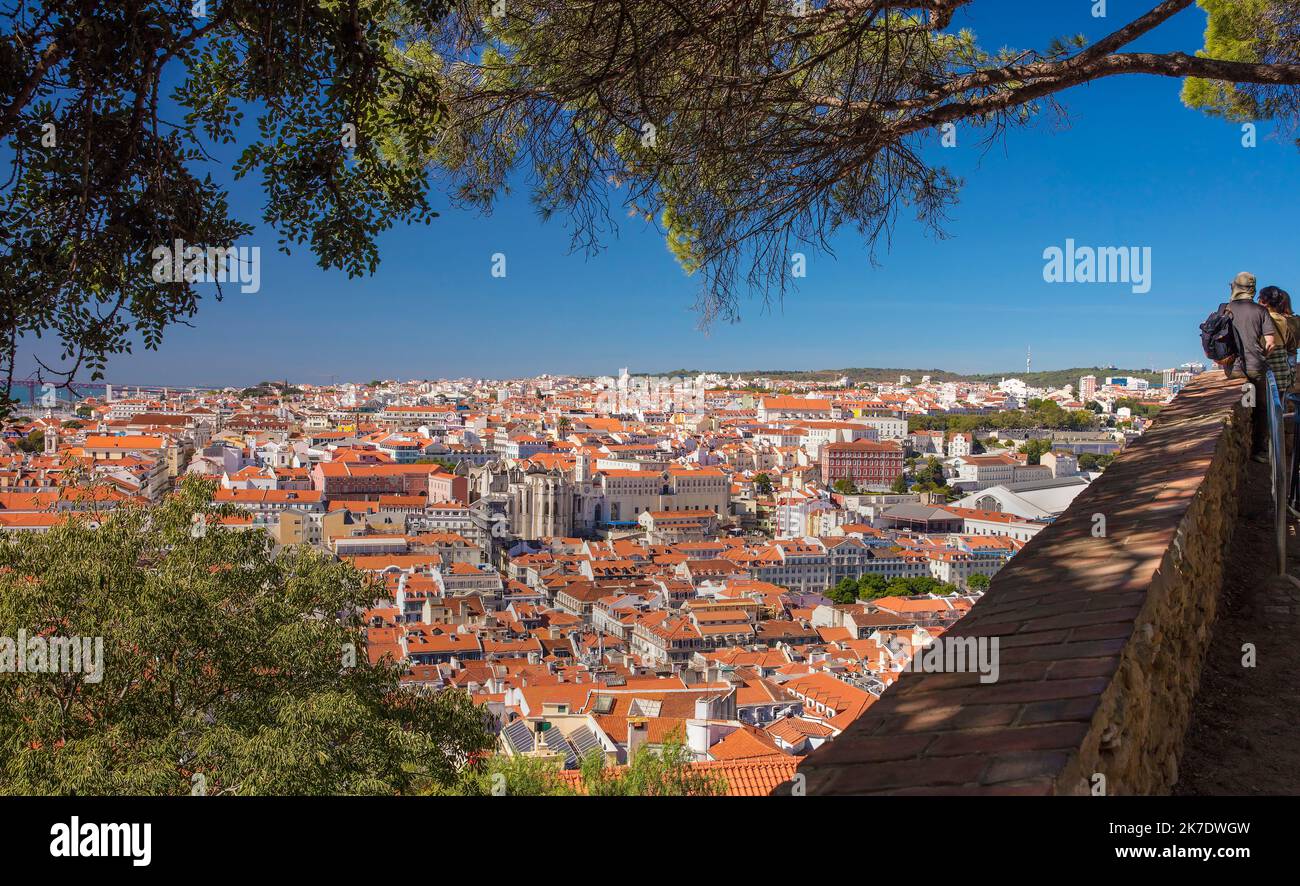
(1052, 378)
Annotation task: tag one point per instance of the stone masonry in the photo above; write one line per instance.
(1102, 637)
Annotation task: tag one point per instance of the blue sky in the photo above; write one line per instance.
(1132, 167)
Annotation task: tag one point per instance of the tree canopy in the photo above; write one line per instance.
(117, 116)
(664, 771)
(746, 130)
(225, 668)
(750, 130)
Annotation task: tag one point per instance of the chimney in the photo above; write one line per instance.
(638, 729)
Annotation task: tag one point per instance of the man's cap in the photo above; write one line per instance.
(1243, 285)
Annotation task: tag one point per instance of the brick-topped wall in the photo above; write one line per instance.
(1101, 639)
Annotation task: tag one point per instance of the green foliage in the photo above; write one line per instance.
(846, 591)
(141, 98)
(763, 485)
(930, 474)
(1035, 448)
(872, 585)
(1037, 414)
(844, 486)
(223, 662)
(899, 485)
(662, 772)
(1138, 407)
(515, 775)
(33, 442)
(1234, 31)
(915, 586)
(665, 771)
(978, 582)
(1089, 461)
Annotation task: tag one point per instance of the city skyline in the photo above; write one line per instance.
(1133, 167)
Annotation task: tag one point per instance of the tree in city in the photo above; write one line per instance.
(912, 586)
(763, 485)
(752, 130)
(872, 585)
(652, 772)
(930, 474)
(226, 668)
(34, 441)
(118, 118)
(899, 485)
(845, 591)
(663, 771)
(1035, 448)
(978, 582)
(844, 486)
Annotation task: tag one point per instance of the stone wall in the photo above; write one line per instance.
(1101, 636)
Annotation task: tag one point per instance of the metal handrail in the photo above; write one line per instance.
(1276, 461)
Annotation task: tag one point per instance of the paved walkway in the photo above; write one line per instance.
(1245, 732)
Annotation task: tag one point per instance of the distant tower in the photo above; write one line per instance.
(52, 440)
(1028, 359)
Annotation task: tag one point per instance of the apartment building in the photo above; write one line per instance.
(864, 463)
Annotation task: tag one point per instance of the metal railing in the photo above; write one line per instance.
(1284, 485)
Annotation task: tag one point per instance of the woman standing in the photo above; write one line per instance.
(1282, 358)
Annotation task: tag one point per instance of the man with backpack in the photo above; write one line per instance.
(1238, 336)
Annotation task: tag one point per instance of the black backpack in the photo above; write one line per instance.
(1219, 338)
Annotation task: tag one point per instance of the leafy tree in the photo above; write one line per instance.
(666, 772)
(754, 130)
(763, 484)
(33, 442)
(978, 582)
(912, 586)
(226, 667)
(844, 486)
(114, 116)
(872, 585)
(1087, 462)
(517, 776)
(931, 473)
(1138, 407)
(1035, 448)
(662, 772)
(845, 591)
(899, 485)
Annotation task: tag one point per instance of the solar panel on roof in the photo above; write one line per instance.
(584, 741)
(519, 736)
